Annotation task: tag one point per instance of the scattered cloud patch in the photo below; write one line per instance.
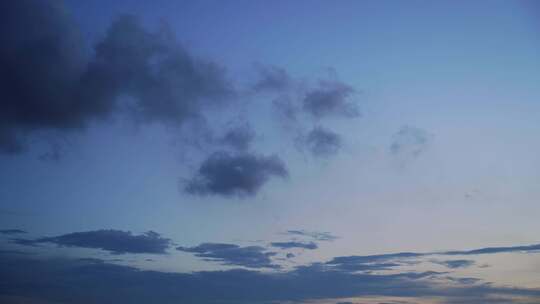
(231, 254)
(12, 231)
(238, 175)
(293, 244)
(113, 241)
(272, 78)
(322, 142)
(491, 250)
(239, 137)
(410, 142)
(330, 98)
(453, 264)
(316, 235)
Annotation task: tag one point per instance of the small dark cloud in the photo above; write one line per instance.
(330, 98)
(290, 255)
(239, 137)
(231, 254)
(409, 142)
(114, 241)
(235, 175)
(272, 78)
(492, 250)
(322, 142)
(369, 263)
(292, 244)
(12, 231)
(316, 235)
(453, 264)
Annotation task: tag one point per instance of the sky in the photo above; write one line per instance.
(324, 152)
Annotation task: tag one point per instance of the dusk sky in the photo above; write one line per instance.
(322, 152)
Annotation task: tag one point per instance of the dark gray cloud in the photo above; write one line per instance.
(322, 142)
(316, 235)
(410, 141)
(81, 281)
(235, 175)
(491, 250)
(114, 241)
(293, 244)
(272, 78)
(239, 137)
(12, 231)
(330, 98)
(387, 261)
(231, 254)
(48, 84)
(99, 281)
(453, 264)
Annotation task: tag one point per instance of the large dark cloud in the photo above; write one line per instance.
(322, 142)
(235, 175)
(231, 254)
(114, 241)
(293, 244)
(94, 281)
(48, 84)
(330, 98)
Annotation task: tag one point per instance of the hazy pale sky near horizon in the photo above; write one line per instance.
(332, 128)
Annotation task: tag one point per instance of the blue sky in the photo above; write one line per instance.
(266, 140)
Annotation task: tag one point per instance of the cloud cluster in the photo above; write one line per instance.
(113, 241)
(235, 174)
(231, 254)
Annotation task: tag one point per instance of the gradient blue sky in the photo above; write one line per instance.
(443, 156)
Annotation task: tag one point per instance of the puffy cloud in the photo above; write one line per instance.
(330, 99)
(231, 254)
(235, 175)
(322, 142)
(114, 241)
